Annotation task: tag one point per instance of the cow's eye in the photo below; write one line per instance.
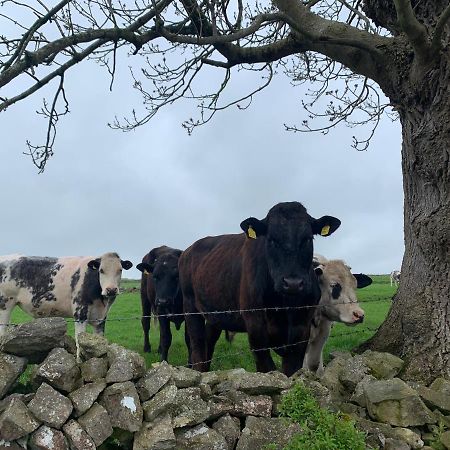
(102, 271)
(336, 289)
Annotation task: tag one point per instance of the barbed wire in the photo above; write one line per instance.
(207, 313)
(279, 347)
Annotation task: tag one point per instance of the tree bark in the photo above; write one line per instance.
(418, 324)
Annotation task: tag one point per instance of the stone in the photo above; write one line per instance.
(240, 404)
(34, 340)
(11, 367)
(330, 378)
(445, 439)
(256, 383)
(77, 437)
(46, 438)
(183, 377)
(121, 400)
(59, 370)
(8, 445)
(94, 369)
(437, 395)
(395, 444)
(160, 403)
(220, 376)
(394, 402)
(25, 398)
(189, 408)
(230, 428)
(84, 397)
(92, 345)
(156, 435)
(382, 365)
(153, 380)
(358, 396)
(259, 432)
(50, 407)
(69, 344)
(382, 429)
(321, 393)
(353, 371)
(16, 421)
(124, 365)
(200, 437)
(96, 423)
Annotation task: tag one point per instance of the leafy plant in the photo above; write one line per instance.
(321, 429)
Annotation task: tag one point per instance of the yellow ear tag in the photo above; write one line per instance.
(146, 272)
(325, 230)
(251, 233)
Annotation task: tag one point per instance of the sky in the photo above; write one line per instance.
(106, 190)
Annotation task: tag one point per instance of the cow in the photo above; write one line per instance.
(395, 277)
(338, 303)
(161, 295)
(83, 288)
(267, 266)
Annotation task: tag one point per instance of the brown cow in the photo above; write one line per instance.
(267, 266)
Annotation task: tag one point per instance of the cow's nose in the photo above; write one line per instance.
(162, 302)
(358, 317)
(110, 291)
(292, 285)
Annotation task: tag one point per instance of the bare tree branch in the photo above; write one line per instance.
(414, 30)
(436, 42)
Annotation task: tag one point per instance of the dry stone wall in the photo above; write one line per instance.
(111, 400)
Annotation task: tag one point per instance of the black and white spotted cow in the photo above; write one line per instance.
(338, 303)
(395, 277)
(80, 287)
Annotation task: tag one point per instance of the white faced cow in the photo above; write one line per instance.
(395, 277)
(338, 303)
(80, 287)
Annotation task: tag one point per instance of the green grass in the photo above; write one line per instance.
(375, 300)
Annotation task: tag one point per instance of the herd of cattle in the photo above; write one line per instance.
(265, 282)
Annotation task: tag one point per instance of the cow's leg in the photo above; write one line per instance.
(195, 325)
(313, 360)
(293, 360)
(6, 307)
(165, 337)
(212, 336)
(259, 340)
(145, 321)
(188, 345)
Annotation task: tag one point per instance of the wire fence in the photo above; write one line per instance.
(267, 310)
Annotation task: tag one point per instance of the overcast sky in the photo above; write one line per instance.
(105, 190)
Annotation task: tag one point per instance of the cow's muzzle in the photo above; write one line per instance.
(292, 285)
(163, 302)
(357, 317)
(111, 292)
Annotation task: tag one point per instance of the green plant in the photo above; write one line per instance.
(321, 429)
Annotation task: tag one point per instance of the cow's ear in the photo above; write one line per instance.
(126, 264)
(144, 268)
(362, 280)
(325, 226)
(94, 264)
(253, 227)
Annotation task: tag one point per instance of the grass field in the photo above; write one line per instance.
(125, 328)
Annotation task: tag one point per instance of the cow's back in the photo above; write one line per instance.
(43, 286)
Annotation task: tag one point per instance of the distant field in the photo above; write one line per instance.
(125, 328)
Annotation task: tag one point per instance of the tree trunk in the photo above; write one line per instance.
(418, 324)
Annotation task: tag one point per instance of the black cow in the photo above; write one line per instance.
(267, 266)
(161, 295)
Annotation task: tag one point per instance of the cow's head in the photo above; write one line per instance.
(162, 264)
(338, 301)
(288, 232)
(109, 267)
